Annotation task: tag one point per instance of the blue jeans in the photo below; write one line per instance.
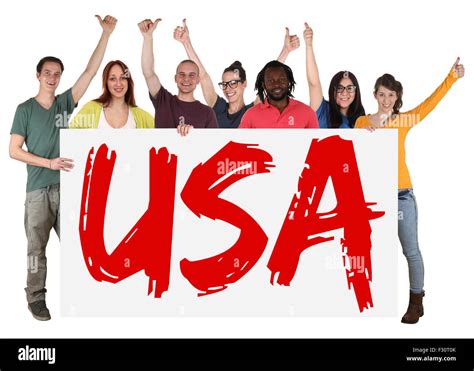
(408, 235)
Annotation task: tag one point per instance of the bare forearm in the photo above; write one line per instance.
(312, 75)
(207, 86)
(28, 158)
(148, 58)
(81, 85)
(312, 72)
(98, 54)
(148, 67)
(194, 57)
(283, 55)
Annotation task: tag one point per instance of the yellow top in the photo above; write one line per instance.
(88, 117)
(405, 121)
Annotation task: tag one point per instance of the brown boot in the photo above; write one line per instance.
(415, 308)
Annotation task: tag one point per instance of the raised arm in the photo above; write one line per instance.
(312, 73)
(81, 85)
(291, 42)
(147, 27)
(181, 34)
(422, 110)
(18, 153)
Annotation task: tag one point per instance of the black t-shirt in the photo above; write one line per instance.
(224, 118)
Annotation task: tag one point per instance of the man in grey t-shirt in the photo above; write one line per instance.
(37, 122)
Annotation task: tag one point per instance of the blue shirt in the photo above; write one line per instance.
(324, 117)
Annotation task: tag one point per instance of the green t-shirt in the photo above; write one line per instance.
(40, 128)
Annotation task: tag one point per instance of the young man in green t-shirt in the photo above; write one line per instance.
(37, 122)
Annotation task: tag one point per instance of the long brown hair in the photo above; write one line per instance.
(106, 97)
(356, 109)
(389, 82)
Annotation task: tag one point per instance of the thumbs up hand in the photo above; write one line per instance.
(458, 69)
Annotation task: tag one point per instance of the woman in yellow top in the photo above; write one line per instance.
(388, 93)
(116, 107)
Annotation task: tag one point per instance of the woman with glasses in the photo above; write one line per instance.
(344, 105)
(116, 107)
(234, 81)
(388, 92)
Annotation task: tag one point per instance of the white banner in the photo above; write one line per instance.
(229, 223)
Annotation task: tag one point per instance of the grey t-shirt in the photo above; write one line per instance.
(40, 128)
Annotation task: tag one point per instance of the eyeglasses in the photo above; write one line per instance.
(349, 88)
(232, 84)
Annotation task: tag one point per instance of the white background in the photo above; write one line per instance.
(416, 41)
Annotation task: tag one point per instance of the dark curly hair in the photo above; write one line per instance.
(261, 79)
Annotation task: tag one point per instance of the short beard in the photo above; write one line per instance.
(277, 99)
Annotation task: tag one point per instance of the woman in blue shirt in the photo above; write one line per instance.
(344, 105)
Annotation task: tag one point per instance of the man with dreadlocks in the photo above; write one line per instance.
(275, 85)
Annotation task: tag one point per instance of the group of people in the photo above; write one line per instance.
(35, 126)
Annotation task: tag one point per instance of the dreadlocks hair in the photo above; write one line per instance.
(261, 79)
